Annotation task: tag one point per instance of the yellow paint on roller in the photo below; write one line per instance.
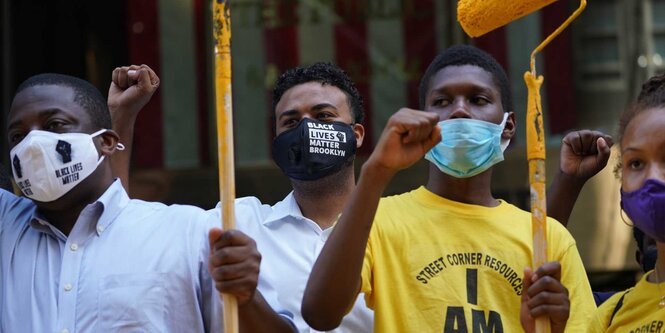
(222, 33)
(479, 17)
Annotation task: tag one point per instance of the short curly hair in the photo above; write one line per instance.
(326, 74)
(460, 55)
(85, 95)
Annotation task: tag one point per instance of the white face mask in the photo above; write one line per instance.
(47, 165)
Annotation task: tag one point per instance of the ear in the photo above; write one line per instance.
(359, 130)
(511, 126)
(108, 142)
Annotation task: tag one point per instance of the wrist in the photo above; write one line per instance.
(571, 180)
(376, 173)
(252, 301)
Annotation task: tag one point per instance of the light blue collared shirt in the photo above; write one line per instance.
(126, 266)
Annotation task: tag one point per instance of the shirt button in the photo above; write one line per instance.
(68, 287)
(100, 229)
(74, 247)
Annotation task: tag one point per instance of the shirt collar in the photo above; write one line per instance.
(283, 209)
(112, 202)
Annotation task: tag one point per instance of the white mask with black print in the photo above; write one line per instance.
(47, 165)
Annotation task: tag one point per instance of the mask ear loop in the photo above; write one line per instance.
(504, 142)
(621, 213)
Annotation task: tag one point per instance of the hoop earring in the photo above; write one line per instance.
(621, 212)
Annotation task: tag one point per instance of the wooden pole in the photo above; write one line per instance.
(222, 33)
(535, 147)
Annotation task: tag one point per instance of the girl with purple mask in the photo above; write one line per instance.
(642, 167)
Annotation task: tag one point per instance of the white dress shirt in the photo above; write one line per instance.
(126, 266)
(289, 244)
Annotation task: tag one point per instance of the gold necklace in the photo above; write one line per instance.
(660, 292)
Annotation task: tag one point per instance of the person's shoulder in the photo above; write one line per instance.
(14, 210)
(159, 211)
(11, 204)
(409, 197)
(508, 208)
(557, 233)
(249, 212)
(554, 227)
(603, 314)
(252, 203)
(11, 198)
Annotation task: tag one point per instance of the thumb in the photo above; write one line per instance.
(434, 138)
(213, 236)
(603, 151)
(528, 322)
(526, 284)
(144, 79)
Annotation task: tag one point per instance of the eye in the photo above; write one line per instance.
(54, 125)
(16, 137)
(324, 115)
(291, 122)
(479, 100)
(635, 164)
(440, 102)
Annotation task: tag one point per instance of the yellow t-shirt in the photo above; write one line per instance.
(435, 265)
(639, 312)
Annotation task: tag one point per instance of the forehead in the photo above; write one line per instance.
(37, 99)
(465, 75)
(310, 94)
(647, 127)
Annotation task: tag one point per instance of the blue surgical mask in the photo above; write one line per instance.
(468, 147)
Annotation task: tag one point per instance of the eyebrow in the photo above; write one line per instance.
(322, 106)
(43, 113)
(288, 113)
(316, 107)
(476, 88)
(630, 149)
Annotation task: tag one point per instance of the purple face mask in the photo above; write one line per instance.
(646, 208)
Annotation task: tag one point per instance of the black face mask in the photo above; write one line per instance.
(314, 149)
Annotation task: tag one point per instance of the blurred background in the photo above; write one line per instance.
(592, 73)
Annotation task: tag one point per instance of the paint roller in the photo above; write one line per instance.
(479, 17)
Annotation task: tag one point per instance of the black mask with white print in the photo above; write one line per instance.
(314, 149)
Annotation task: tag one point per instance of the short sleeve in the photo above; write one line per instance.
(366, 275)
(573, 277)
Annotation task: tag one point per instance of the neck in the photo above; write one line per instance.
(64, 212)
(660, 265)
(474, 190)
(322, 200)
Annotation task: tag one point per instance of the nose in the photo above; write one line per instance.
(460, 109)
